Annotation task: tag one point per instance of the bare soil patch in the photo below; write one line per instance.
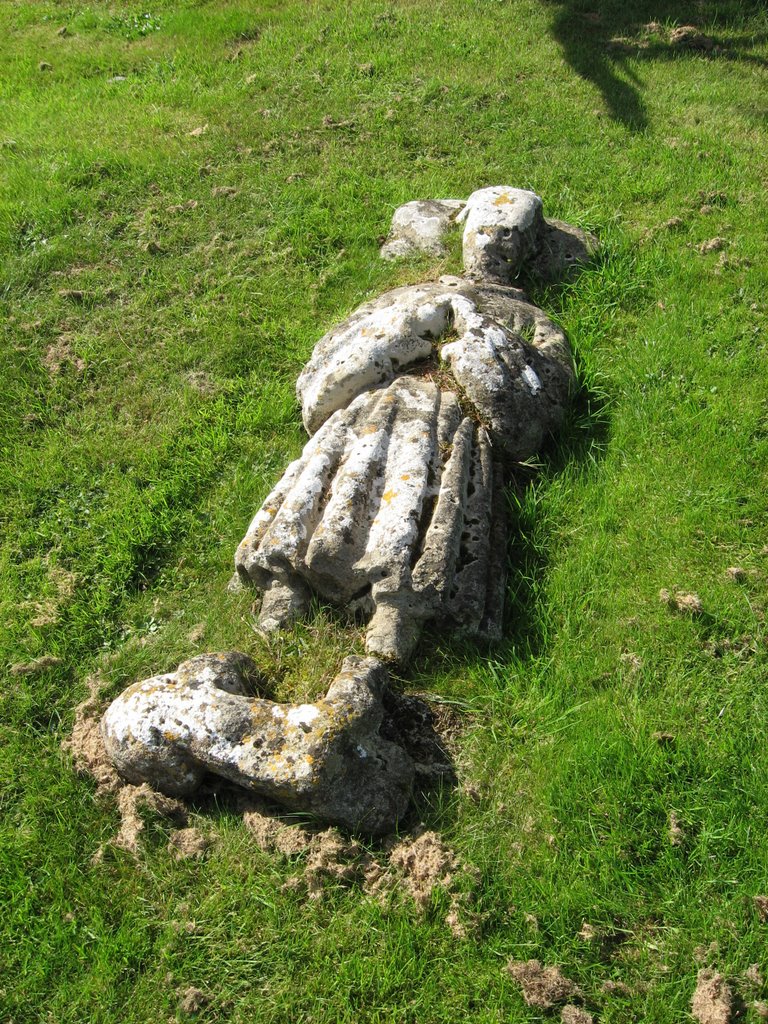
(713, 1001)
(542, 987)
(86, 745)
(188, 844)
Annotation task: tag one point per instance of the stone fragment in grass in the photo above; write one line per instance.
(505, 231)
(221, 191)
(327, 759)
(420, 226)
(197, 132)
(736, 573)
(44, 66)
(713, 1001)
(542, 987)
(73, 294)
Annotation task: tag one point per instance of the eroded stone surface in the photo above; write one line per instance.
(327, 759)
(395, 508)
(417, 404)
(502, 228)
(420, 226)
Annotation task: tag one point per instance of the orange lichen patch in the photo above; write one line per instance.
(388, 496)
(170, 736)
(370, 429)
(406, 476)
(503, 200)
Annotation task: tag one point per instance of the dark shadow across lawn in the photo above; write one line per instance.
(598, 39)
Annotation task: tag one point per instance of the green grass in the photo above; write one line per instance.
(137, 464)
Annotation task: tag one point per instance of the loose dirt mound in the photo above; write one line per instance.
(272, 835)
(333, 859)
(86, 745)
(542, 987)
(131, 801)
(713, 1001)
(193, 1000)
(32, 668)
(680, 601)
(188, 844)
(424, 863)
(575, 1015)
(414, 866)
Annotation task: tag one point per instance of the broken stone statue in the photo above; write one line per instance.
(418, 406)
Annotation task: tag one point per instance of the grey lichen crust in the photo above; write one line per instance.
(394, 509)
(326, 759)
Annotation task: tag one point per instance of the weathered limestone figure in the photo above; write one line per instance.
(326, 758)
(417, 405)
(504, 231)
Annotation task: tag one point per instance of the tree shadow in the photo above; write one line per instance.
(599, 40)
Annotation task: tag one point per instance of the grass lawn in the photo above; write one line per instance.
(191, 192)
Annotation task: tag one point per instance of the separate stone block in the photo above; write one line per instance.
(420, 227)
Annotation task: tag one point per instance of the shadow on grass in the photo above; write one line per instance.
(599, 38)
(583, 440)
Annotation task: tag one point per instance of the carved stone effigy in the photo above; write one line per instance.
(417, 405)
